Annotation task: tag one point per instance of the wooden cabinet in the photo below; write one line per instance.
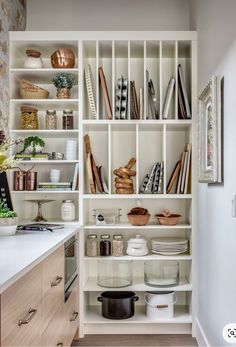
(33, 310)
(21, 311)
(53, 285)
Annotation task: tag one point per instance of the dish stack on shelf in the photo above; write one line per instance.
(169, 245)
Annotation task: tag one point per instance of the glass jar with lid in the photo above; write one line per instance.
(51, 120)
(68, 120)
(68, 210)
(92, 246)
(117, 246)
(29, 117)
(105, 245)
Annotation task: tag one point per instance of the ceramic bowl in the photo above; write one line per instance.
(172, 219)
(138, 219)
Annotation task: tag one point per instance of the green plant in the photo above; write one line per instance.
(33, 141)
(5, 212)
(63, 80)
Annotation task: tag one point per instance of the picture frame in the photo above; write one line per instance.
(210, 168)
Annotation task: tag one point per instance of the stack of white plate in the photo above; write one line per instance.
(169, 245)
(71, 150)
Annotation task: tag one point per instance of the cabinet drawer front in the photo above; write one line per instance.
(53, 285)
(21, 311)
(54, 334)
(71, 310)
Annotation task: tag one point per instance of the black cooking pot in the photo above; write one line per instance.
(117, 305)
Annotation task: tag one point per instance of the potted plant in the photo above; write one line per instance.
(33, 145)
(8, 220)
(63, 82)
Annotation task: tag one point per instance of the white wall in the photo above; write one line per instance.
(107, 14)
(215, 22)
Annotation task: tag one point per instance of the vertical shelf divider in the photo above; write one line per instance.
(160, 81)
(97, 80)
(176, 79)
(80, 129)
(109, 174)
(113, 92)
(145, 100)
(129, 78)
(164, 157)
(137, 158)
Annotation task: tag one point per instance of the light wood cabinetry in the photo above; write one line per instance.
(34, 311)
(19, 326)
(53, 285)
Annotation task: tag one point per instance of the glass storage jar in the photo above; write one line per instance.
(51, 120)
(29, 118)
(68, 120)
(68, 210)
(114, 274)
(161, 273)
(92, 246)
(105, 245)
(117, 246)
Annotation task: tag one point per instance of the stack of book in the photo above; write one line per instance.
(183, 102)
(180, 177)
(153, 181)
(37, 156)
(52, 186)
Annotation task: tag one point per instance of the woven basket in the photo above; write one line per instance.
(29, 90)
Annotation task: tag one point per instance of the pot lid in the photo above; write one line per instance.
(138, 239)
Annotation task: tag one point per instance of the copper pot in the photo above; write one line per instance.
(63, 58)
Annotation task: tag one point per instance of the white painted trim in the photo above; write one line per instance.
(201, 336)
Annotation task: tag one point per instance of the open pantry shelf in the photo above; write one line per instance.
(93, 315)
(146, 257)
(149, 136)
(135, 227)
(138, 286)
(74, 223)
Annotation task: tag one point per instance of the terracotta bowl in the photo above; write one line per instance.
(63, 58)
(139, 220)
(172, 219)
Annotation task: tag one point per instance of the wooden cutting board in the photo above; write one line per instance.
(88, 152)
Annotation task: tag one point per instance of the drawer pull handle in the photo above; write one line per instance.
(60, 344)
(57, 282)
(31, 313)
(74, 317)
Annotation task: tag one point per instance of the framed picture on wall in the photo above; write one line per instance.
(210, 168)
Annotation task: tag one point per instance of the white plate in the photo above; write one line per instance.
(168, 253)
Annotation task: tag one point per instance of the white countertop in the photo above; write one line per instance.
(20, 253)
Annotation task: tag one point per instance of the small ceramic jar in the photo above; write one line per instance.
(137, 246)
(33, 59)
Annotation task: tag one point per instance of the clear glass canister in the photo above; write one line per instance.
(29, 117)
(51, 120)
(68, 210)
(161, 273)
(114, 274)
(68, 120)
(92, 246)
(117, 246)
(105, 245)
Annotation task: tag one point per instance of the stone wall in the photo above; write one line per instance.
(12, 18)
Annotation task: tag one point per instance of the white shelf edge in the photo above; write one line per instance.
(137, 286)
(51, 221)
(181, 315)
(141, 122)
(45, 131)
(45, 192)
(143, 258)
(48, 162)
(46, 69)
(130, 226)
(136, 196)
(23, 101)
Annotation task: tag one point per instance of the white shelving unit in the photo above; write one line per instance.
(114, 142)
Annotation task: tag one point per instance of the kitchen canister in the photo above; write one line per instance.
(51, 120)
(118, 305)
(137, 246)
(33, 59)
(91, 245)
(115, 274)
(161, 273)
(160, 305)
(68, 211)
